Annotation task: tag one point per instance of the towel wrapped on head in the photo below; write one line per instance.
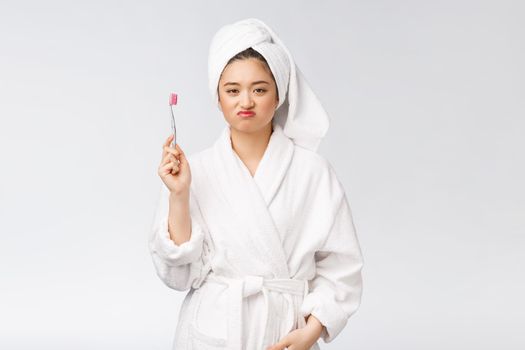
(299, 111)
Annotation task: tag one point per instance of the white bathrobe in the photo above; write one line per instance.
(264, 251)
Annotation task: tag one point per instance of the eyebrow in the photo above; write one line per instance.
(255, 82)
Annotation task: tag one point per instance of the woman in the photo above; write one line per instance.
(259, 230)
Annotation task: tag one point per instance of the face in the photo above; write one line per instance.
(247, 85)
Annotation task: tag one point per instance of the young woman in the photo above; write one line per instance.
(259, 231)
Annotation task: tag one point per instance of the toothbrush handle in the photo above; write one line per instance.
(173, 127)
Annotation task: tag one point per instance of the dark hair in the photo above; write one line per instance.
(252, 53)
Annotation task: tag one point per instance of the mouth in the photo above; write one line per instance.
(246, 114)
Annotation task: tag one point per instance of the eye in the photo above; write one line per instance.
(231, 90)
(261, 90)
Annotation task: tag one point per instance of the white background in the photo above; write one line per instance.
(426, 100)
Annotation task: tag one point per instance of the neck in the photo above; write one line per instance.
(251, 146)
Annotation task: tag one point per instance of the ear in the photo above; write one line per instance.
(219, 99)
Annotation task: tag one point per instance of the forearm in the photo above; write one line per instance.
(179, 220)
(315, 326)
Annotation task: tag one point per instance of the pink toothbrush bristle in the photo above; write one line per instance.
(173, 99)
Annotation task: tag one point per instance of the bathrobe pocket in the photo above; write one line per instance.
(209, 326)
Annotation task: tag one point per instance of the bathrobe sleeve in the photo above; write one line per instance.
(178, 266)
(335, 291)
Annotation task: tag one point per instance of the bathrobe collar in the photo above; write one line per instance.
(272, 167)
(250, 197)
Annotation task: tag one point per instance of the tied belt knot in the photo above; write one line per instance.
(240, 288)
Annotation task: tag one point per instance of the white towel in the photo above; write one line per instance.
(299, 112)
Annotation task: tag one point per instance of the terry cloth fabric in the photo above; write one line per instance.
(299, 112)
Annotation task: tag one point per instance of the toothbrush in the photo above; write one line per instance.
(173, 102)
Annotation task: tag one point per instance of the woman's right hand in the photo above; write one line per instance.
(174, 169)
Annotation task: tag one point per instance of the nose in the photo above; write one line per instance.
(246, 100)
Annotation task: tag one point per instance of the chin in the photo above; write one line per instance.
(244, 127)
(247, 126)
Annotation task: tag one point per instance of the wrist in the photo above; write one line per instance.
(179, 196)
(315, 326)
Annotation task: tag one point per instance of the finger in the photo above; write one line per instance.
(177, 147)
(165, 169)
(182, 156)
(278, 346)
(285, 342)
(167, 158)
(171, 150)
(170, 166)
(166, 145)
(168, 140)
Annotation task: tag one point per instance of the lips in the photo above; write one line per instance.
(246, 113)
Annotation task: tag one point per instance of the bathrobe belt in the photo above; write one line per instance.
(239, 288)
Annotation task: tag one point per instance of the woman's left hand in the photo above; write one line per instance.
(302, 338)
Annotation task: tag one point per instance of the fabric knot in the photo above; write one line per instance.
(252, 285)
